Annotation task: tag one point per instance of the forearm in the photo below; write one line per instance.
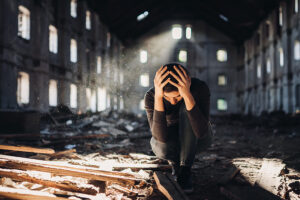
(189, 101)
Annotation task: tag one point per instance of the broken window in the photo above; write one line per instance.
(99, 65)
(73, 96)
(259, 71)
(88, 23)
(297, 50)
(74, 8)
(23, 88)
(142, 104)
(52, 92)
(188, 32)
(176, 31)
(101, 99)
(143, 56)
(221, 104)
(73, 51)
(52, 39)
(280, 16)
(144, 80)
(222, 55)
(296, 6)
(182, 56)
(24, 23)
(281, 57)
(222, 80)
(269, 65)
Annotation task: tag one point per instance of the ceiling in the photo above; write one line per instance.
(243, 16)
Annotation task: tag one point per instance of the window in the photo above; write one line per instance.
(222, 55)
(259, 71)
(143, 56)
(93, 101)
(108, 38)
(176, 31)
(101, 99)
(142, 104)
(182, 56)
(280, 16)
(52, 92)
(298, 95)
(107, 71)
(52, 39)
(107, 101)
(121, 103)
(73, 51)
(115, 75)
(24, 23)
(142, 16)
(23, 88)
(296, 6)
(115, 103)
(267, 29)
(99, 65)
(222, 80)
(88, 23)
(297, 50)
(144, 80)
(269, 66)
(188, 32)
(281, 57)
(74, 8)
(221, 104)
(73, 96)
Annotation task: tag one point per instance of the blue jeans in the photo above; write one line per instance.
(182, 149)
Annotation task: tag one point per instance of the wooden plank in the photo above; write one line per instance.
(269, 175)
(27, 149)
(169, 187)
(62, 153)
(68, 186)
(66, 166)
(22, 194)
(121, 166)
(23, 165)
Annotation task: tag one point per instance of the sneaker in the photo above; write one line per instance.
(185, 179)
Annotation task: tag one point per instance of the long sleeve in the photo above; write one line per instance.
(156, 119)
(199, 114)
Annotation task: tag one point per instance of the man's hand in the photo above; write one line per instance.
(184, 82)
(158, 84)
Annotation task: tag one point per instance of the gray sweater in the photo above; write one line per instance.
(164, 123)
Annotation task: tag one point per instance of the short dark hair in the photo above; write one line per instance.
(170, 67)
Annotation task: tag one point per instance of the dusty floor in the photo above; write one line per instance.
(242, 143)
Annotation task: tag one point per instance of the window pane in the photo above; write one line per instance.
(74, 8)
(222, 104)
(73, 51)
(53, 39)
(281, 57)
(222, 80)
(73, 96)
(99, 65)
(188, 32)
(143, 56)
(258, 71)
(269, 66)
(24, 23)
(297, 50)
(23, 88)
(142, 104)
(222, 55)
(176, 32)
(101, 99)
(144, 80)
(182, 56)
(88, 23)
(52, 93)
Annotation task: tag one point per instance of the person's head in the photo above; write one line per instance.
(171, 93)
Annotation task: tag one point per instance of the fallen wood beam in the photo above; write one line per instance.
(62, 153)
(27, 149)
(66, 166)
(63, 171)
(121, 166)
(24, 176)
(22, 194)
(167, 185)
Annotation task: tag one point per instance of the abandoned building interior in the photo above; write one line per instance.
(73, 79)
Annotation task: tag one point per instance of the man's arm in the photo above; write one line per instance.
(156, 117)
(199, 114)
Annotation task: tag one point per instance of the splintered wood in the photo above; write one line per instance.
(26, 178)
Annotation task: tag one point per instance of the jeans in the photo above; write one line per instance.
(181, 150)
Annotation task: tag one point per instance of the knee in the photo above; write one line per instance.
(162, 150)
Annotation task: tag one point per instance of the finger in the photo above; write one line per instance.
(163, 76)
(165, 82)
(175, 84)
(160, 68)
(184, 72)
(179, 73)
(176, 77)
